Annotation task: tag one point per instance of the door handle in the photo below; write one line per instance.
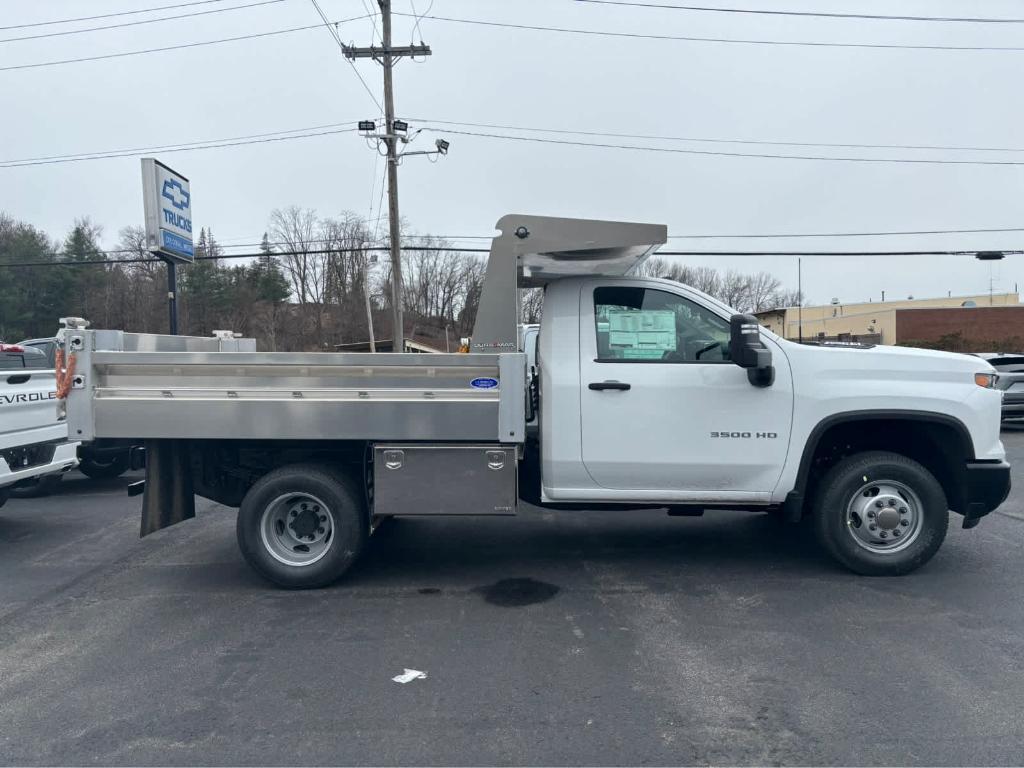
(600, 385)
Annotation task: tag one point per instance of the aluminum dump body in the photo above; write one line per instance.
(132, 385)
(151, 386)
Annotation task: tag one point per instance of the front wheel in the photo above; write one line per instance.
(880, 514)
(302, 526)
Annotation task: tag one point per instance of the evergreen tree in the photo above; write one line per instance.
(85, 289)
(30, 297)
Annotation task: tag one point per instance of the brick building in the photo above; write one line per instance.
(963, 323)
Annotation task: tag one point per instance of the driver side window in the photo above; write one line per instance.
(647, 325)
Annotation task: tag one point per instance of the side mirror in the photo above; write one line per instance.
(747, 350)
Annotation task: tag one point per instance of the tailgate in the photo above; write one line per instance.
(28, 407)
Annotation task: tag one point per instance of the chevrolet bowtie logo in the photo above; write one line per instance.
(174, 192)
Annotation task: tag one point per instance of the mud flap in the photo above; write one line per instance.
(168, 498)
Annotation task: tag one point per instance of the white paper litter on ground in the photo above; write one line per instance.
(409, 675)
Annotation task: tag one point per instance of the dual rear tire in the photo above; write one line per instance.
(302, 526)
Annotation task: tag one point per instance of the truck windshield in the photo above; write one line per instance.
(644, 324)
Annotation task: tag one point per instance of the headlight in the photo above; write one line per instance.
(987, 380)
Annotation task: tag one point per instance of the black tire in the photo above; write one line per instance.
(109, 466)
(38, 486)
(343, 498)
(842, 485)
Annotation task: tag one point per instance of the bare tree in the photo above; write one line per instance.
(296, 230)
(735, 290)
(744, 292)
(762, 291)
(787, 298)
(531, 305)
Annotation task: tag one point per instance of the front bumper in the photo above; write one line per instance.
(987, 484)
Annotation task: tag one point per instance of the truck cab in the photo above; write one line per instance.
(653, 405)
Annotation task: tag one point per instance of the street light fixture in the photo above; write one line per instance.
(442, 146)
(367, 126)
(399, 126)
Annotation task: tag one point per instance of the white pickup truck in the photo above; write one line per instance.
(645, 393)
(34, 444)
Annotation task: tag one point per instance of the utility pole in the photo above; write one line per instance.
(394, 131)
(172, 297)
(800, 299)
(397, 326)
(366, 299)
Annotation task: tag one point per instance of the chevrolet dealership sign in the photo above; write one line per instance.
(168, 203)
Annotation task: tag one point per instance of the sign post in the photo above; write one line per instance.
(168, 206)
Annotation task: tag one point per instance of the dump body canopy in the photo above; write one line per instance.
(533, 250)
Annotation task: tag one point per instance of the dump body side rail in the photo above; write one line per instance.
(241, 395)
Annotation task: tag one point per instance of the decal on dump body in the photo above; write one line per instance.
(484, 383)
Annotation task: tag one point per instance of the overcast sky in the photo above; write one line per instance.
(541, 79)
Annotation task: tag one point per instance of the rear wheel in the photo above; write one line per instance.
(302, 526)
(880, 514)
(104, 467)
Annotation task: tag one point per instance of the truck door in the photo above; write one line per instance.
(662, 406)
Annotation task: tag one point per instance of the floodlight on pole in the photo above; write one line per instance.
(399, 126)
(367, 126)
(442, 146)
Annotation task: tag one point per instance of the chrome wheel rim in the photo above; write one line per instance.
(297, 529)
(884, 516)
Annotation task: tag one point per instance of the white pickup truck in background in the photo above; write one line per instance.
(34, 445)
(636, 393)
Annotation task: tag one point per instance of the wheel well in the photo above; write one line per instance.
(942, 447)
(225, 470)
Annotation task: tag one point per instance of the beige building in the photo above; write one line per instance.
(872, 321)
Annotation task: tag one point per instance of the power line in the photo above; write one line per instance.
(834, 253)
(719, 236)
(176, 17)
(419, 17)
(852, 234)
(721, 153)
(110, 15)
(341, 46)
(373, 186)
(99, 153)
(686, 38)
(307, 131)
(256, 255)
(122, 54)
(181, 148)
(704, 140)
(817, 14)
(380, 202)
(374, 34)
(223, 244)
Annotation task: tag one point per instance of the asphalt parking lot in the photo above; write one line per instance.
(551, 638)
